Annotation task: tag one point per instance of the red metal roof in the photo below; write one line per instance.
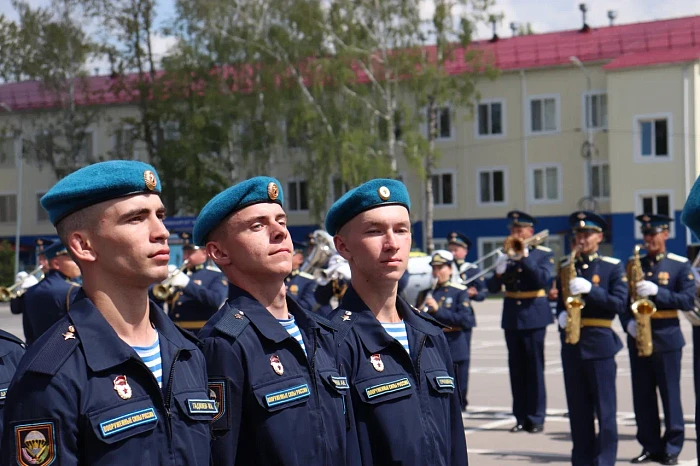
(623, 46)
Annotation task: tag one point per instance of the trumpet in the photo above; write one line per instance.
(164, 290)
(15, 291)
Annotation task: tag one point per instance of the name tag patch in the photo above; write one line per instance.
(202, 407)
(287, 395)
(445, 382)
(3, 393)
(341, 383)
(128, 421)
(389, 387)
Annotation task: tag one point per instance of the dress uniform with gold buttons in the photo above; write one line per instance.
(17, 303)
(669, 283)
(526, 314)
(589, 360)
(459, 245)
(11, 351)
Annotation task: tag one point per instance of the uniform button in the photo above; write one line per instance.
(179, 304)
(520, 270)
(585, 266)
(649, 274)
(518, 302)
(177, 316)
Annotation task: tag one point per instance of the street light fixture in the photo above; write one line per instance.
(19, 165)
(589, 134)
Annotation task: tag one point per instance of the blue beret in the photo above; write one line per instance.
(521, 219)
(459, 238)
(654, 223)
(584, 220)
(56, 249)
(97, 183)
(374, 193)
(691, 210)
(253, 191)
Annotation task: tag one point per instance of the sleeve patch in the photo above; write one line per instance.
(217, 394)
(35, 443)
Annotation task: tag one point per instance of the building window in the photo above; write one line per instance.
(596, 110)
(124, 139)
(652, 137)
(44, 144)
(298, 196)
(41, 214)
(491, 186)
(443, 189)
(600, 185)
(654, 202)
(339, 188)
(8, 208)
(444, 122)
(544, 114)
(383, 129)
(7, 152)
(490, 119)
(545, 186)
(486, 246)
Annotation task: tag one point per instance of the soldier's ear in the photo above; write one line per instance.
(342, 247)
(80, 247)
(218, 254)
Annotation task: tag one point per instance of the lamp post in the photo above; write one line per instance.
(19, 165)
(589, 133)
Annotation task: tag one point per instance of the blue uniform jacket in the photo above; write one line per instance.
(530, 274)
(406, 406)
(65, 391)
(608, 298)
(11, 351)
(676, 292)
(47, 302)
(301, 287)
(277, 406)
(466, 271)
(200, 299)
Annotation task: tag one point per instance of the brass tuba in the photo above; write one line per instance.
(163, 290)
(642, 308)
(322, 250)
(574, 303)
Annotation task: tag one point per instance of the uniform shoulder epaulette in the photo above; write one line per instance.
(319, 319)
(10, 337)
(306, 275)
(457, 285)
(428, 317)
(610, 260)
(232, 323)
(213, 269)
(543, 248)
(676, 257)
(190, 336)
(342, 322)
(57, 345)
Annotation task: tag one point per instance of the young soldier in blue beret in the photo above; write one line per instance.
(669, 283)
(449, 303)
(589, 363)
(11, 351)
(48, 301)
(114, 381)
(281, 400)
(405, 399)
(301, 285)
(526, 314)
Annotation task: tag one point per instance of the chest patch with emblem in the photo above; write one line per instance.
(287, 395)
(388, 387)
(445, 382)
(202, 407)
(128, 421)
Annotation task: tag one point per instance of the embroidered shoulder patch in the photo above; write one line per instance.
(287, 395)
(202, 407)
(36, 444)
(388, 387)
(128, 421)
(217, 394)
(445, 382)
(340, 383)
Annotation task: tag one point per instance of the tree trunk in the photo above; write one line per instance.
(429, 165)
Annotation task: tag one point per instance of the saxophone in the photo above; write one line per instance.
(642, 308)
(573, 303)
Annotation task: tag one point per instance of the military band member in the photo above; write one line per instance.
(670, 285)
(26, 281)
(328, 295)
(201, 289)
(281, 400)
(526, 314)
(449, 303)
(47, 302)
(114, 381)
(301, 285)
(11, 351)
(406, 406)
(459, 245)
(589, 364)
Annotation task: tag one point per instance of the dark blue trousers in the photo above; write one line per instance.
(462, 371)
(526, 365)
(662, 371)
(590, 393)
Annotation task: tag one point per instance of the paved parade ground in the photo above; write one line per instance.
(488, 419)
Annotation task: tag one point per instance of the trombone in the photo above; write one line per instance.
(163, 290)
(15, 291)
(514, 247)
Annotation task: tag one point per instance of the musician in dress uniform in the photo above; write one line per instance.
(459, 245)
(11, 351)
(26, 281)
(115, 381)
(272, 370)
(201, 288)
(301, 285)
(329, 294)
(449, 303)
(669, 283)
(396, 358)
(526, 314)
(589, 364)
(48, 301)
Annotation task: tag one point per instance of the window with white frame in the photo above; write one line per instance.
(654, 202)
(297, 195)
(600, 180)
(544, 114)
(596, 110)
(8, 208)
(556, 244)
(443, 188)
(487, 245)
(490, 117)
(444, 122)
(7, 151)
(41, 214)
(439, 244)
(653, 139)
(491, 186)
(545, 183)
(124, 138)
